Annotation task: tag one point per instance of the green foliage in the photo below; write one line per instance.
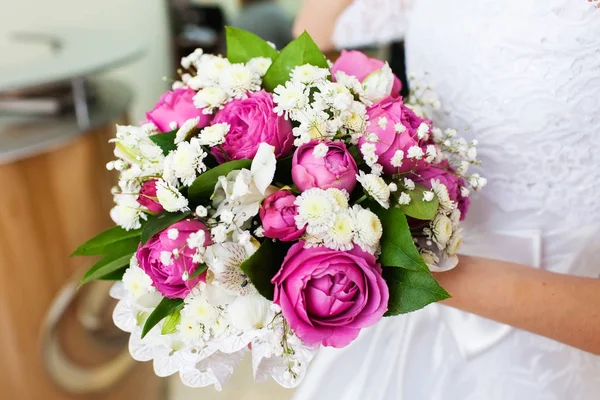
(411, 290)
(199, 271)
(301, 51)
(262, 266)
(419, 208)
(166, 141)
(171, 322)
(105, 267)
(165, 308)
(242, 46)
(203, 187)
(112, 241)
(158, 223)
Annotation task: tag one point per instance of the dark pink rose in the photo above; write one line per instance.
(361, 66)
(147, 197)
(337, 169)
(383, 119)
(176, 106)
(447, 176)
(167, 273)
(328, 296)
(277, 214)
(252, 121)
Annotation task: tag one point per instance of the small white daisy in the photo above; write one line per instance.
(316, 210)
(376, 187)
(368, 229)
(214, 135)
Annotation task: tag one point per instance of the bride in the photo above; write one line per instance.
(524, 320)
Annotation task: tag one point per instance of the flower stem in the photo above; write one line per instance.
(363, 198)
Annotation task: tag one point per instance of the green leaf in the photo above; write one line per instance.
(116, 275)
(242, 46)
(301, 51)
(419, 208)
(112, 241)
(283, 170)
(204, 185)
(165, 308)
(160, 222)
(105, 267)
(170, 325)
(411, 290)
(199, 271)
(262, 266)
(397, 246)
(166, 141)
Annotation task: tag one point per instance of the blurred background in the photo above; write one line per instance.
(69, 71)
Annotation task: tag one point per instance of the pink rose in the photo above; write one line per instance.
(147, 197)
(383, 119)
(253, 121)
(328, 296)
(361, 66)
(337, 169)
(165, 269)
(277, 214)
(176, 106)
(447, 176)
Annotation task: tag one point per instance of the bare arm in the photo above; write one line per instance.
(562, 307)
(318, 18)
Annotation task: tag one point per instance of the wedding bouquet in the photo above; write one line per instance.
(273, 203)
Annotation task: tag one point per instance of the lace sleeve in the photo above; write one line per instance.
(367, 22)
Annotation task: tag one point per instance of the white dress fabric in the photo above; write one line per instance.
(524, 77)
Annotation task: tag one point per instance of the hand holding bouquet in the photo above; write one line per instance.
(273, 203)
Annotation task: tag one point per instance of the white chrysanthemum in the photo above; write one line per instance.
(186, 162)
(376, 187)
(334, 95)
(454, 243)
(238, 80)
(415, 152)
(250, 312)
(213, 135)
(198, 309)
(341, 197)
(260, 65)
(340, 235)
(211, 98)
(442, 230)
(320, 150)
(137, 282)
(430, 258)
(441, 191)
(210, 69)
(316, 210)
(169, 197)
(289, 98)
(368, 229)
(354, 85)
(186, 129)
(308, 74)
(379, 84)
(428, 196)
(314, 125)
(355, 119)
(128, 212)
(404, 199)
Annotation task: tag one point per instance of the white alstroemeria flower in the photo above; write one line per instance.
(379, 83)
(368, 229)
(250, 312)
(375, 187)
(263, 167)
(214, 135)
(169, 197)
(186, 129)
(223, 261)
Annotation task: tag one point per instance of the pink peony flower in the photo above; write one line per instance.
(277, 214)
(167, 271)
(252, 121)
(361, 66)
(328, 296)
(336, 169)
(176, 106)
(147, 197)
(447, 176)
(396, 128)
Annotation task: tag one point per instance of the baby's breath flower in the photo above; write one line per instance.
(404, 199)
(428, 196)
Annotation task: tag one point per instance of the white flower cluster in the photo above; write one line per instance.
(324, 109)
(138, 159)
(218, 81)
(331, 222)
(422, 98)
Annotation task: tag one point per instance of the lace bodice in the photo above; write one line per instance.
(524, 76)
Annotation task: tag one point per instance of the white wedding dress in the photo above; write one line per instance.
(524, 76)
